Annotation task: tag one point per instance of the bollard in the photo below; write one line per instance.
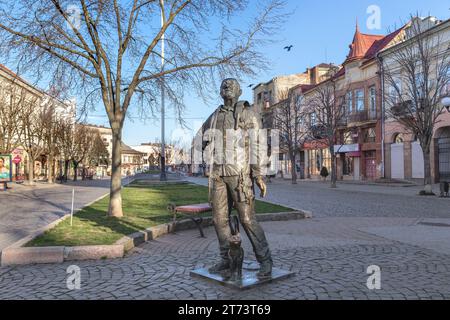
(443, 188)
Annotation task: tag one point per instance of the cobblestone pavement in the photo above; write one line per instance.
(355, 200)
(329, 257)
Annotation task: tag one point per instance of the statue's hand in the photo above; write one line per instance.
(262, 186)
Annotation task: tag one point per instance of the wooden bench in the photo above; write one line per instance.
(192, 211)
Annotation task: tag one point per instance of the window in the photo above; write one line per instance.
(446, 84)
(395, 90)
(313, 119)
(370, 135)
(298, 101)
(302, 122)
(267, 98)
(420, 83)
(398, 138)
(372, 100)
(341, 104)
(349, 102)
(259, 98)
(359, 96)
(347, 165)
(350, 137)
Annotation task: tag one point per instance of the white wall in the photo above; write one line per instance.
(397, 161)
(417, 161)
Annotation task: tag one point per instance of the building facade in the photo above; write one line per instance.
(359, 141)
(270, 96)
(132, 160)
(403, 154)
(106, 136)
(15, 90)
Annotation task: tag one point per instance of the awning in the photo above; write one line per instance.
(315, 144)
(346, 148)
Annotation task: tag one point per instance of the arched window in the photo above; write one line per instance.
(399, 138)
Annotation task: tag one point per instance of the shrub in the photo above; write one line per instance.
(324, 172)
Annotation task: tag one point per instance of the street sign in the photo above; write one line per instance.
(17, 151)
(17, 159)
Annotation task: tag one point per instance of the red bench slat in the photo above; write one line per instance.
(194, 208)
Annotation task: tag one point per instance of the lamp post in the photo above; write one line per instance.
(163, 176)
(446, 103)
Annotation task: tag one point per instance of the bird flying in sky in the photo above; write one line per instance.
(288, 48)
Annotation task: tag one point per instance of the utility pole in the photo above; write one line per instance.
(163, 176)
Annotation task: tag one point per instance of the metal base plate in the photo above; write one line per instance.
(249, 279)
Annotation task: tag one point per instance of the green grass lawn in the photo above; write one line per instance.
(144, 206)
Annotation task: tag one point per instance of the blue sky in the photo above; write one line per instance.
(320, 31)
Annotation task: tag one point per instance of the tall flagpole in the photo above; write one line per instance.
(163, 176)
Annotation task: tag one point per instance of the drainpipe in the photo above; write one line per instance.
(380, 61)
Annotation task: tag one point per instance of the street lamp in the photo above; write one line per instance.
(446, 103)
(163, 176)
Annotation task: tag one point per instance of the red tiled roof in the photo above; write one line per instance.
(381, 44)
(361, 44)
(366, 46)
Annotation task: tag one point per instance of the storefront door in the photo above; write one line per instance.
(355, 168)
(371, 166)
(444, 159)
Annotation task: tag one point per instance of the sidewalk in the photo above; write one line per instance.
(388, 183)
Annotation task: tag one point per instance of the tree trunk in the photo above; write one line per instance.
(66, 169)
(427, 171)
(333, 169)
(293, 170)
(50, 172)
(30, 170)
(115, 202)
(75, 170)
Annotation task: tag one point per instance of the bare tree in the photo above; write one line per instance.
(82, 146)
(327, 102)
(153, 160)
(415, 75)
(50, 137)
(287, 118)
(33, 120)
(12, 101)
(98, 154)
(65, 130)
(110, 49)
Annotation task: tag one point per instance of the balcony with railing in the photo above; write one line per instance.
(342, 122)
(404, 109)
(318, 131)
(362, 116)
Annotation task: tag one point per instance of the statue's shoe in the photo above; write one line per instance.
(265, 269)
(221, 266)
